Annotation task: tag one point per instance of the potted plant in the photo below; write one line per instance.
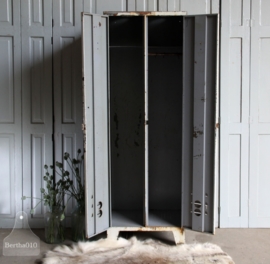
(53, 199)
(74, 186)
(70, 184)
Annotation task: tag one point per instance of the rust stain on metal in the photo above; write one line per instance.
(197, 156)
(99, 24)
(217, 126)
(197, 132)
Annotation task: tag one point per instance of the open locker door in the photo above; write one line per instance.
(96, 122)
(199, 114)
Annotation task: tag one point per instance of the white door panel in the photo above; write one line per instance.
(36, 30)
(234, 116)
(67, 81)
(10, 113)
(259, 215)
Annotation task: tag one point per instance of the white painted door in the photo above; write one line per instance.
(10, 112)
(259, 203)
(245, 119)
(37, 129)
(67, 82)
(234, 115)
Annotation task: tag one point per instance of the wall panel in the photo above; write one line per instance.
(67, 13)
(6, 80)
(259, 215)
(68, 136)
(264, 13)
(236, 14)
(235, 80)
(6, 12)
(37, 83)
(37, 12)
(234, 113)
(37, 171)
(37, 127)
(68, 82)
(69, 146)
(264, 80)
(10, 112)
(234, 176)
(263, 203)
(7, 175)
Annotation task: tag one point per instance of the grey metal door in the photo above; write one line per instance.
(96, 122)
(199, 113)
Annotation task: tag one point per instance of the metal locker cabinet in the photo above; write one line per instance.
(149, 167)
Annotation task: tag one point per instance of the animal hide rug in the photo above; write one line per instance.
(133, 251)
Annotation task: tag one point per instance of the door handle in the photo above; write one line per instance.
(100, 213)
(100, 205)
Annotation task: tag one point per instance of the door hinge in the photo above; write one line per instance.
(250, 22)
(52, 40)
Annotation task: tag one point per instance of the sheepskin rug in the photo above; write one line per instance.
(133, 251)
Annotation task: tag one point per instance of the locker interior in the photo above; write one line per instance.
(163, 196)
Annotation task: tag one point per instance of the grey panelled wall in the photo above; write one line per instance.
(259, 215)
(245, 130)
(37, 127)
(25, 41)
(67, 80)
(10, 113)
(234, 104)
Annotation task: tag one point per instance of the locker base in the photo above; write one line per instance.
(178, 232)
